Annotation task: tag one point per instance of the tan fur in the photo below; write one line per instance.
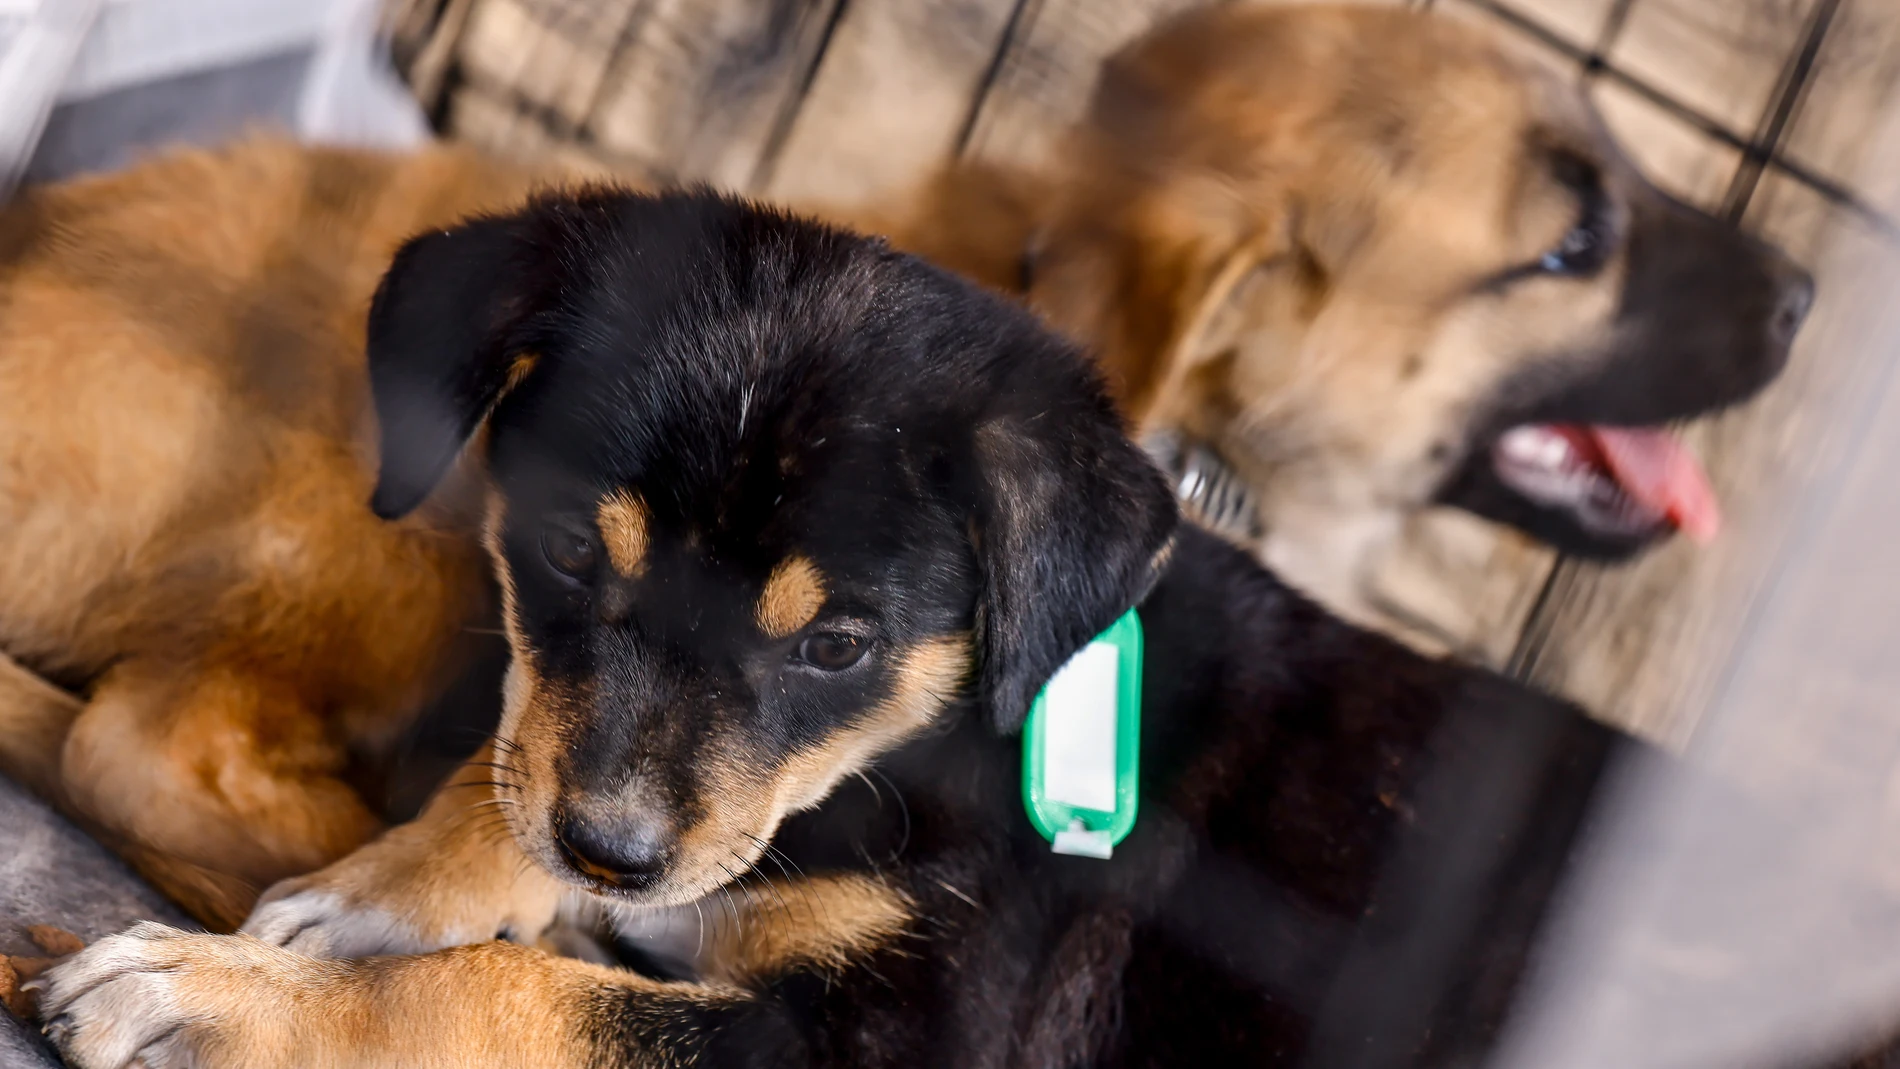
(746, 799)
(623, 528)
(447, 879)
(182, 530)
(34, 719)
(746, 803)
(1351, 136)
(472, 863)
(793, 594)
(823, 923)
(928, 679)
(182, 525)
(518, 372)
(453, 875)
(975, 217)
(510, 1005)
(491, 1004)
(1242, 231)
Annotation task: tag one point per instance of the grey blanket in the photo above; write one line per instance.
(51, 873)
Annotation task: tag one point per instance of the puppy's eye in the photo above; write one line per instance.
(1582, 252)
(570, 554)
(832, 651)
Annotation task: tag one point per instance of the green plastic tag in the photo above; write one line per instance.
(1082, 745)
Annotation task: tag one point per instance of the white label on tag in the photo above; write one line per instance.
(1079, 720)
(1082, 843)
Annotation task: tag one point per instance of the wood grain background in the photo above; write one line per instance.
(1770, 112)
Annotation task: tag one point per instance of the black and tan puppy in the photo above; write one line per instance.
(772, 507)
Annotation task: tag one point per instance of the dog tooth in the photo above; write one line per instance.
(1557, 451)
(1523, 444)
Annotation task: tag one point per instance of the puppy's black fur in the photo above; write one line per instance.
(1343, 853)
(1343, 847)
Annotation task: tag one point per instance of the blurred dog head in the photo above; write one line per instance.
(1378, 262)
(768, 499)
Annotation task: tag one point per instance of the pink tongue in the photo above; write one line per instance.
(1655, 469)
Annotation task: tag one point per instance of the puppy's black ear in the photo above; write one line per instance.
(447, 336)
(1073, 528)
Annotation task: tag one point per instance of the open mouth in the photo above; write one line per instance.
(1619, 481)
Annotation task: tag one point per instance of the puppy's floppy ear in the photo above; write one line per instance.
(1153, 222)
(447, 337)
(1142, 298)
(1073, 525)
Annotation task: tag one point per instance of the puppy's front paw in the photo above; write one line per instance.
(158, 997)
(406, 893)
(309, 918)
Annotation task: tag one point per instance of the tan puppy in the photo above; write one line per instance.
(184, 538)
(1378, 262)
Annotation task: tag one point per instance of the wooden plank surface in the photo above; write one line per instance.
(1678, 157)
(552, 58)
(1044, 78)
(1723, 58)
(495, 120)
(1578, 22)
(890, 100)
(707, 89)
(1856, 79)
(688, 90)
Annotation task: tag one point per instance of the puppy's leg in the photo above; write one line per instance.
(452, 876)
(169, 998)
(34, 719)
(214, 783)
(175, 999)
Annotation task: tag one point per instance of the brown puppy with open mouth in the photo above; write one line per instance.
(1377, 263)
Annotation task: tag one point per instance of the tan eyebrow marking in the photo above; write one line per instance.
(518, 371)
(623, 527)
(792, 597)
(927, 676)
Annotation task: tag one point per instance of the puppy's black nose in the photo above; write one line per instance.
(1794, 296)
(627, 850)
